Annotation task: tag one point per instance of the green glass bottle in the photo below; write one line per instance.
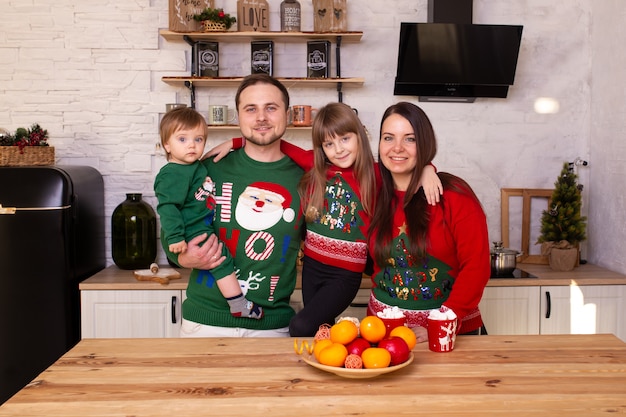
(133, 233)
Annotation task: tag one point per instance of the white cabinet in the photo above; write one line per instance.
(510, 310)
(137, 313)
(130, 313)
(570, 309)
(587, 309)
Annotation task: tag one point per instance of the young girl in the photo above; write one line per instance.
(186, 200)
(338, 193)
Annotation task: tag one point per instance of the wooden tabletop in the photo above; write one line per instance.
(563, 375)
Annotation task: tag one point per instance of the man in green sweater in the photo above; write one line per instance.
(257, 207)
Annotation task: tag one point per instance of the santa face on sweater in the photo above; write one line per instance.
(262, 205)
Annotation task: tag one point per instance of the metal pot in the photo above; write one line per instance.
(503, 261)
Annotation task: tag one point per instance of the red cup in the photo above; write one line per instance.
(441, 334)
(391, 324)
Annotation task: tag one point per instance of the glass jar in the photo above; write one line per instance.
(133, 233)
(290, 16)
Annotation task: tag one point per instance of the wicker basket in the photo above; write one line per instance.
(11, 156)
(211, 26)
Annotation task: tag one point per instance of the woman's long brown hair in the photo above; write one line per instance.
(414, 205)
(336, 119)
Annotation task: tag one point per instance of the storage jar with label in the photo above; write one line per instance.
(290, 16)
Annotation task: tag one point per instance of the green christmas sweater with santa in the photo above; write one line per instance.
(256, 207)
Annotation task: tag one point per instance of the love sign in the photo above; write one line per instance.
(253, 15)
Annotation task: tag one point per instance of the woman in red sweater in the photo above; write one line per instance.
(425, 256)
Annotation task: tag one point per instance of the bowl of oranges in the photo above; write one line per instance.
(359, 349)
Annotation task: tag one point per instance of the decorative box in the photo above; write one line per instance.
(205, 59)
(318, 59)
(262, 55)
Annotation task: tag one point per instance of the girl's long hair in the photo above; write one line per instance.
(414, 205)
(336, 119)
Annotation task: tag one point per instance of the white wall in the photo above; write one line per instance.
(91, 74)
(607, 147)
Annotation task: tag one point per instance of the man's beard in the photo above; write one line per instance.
(264, 140)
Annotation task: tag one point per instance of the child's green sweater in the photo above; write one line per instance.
(257, 218)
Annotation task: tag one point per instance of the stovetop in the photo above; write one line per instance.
(517, 273)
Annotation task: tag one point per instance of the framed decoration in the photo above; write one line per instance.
(528, 195)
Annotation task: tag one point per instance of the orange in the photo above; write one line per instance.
(319, 345)
(372, 329)
(375, 357)
(405, 333)
(344, 332)
(333, 355)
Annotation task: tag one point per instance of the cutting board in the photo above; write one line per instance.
(157, 274)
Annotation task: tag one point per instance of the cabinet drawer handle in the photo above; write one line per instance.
(358, 305)
(548, 304)
(174, 309)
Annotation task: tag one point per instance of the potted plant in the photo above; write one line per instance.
(25, 147)
(214, 20)
(562, 226)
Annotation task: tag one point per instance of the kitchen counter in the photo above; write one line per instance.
(113, 278)
(587, 274)
(564, 375)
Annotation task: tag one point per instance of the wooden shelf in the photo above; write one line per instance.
(233, 36)
(289, 82)
(236, 127)
(338, 82)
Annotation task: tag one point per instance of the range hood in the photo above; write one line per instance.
(455, 60)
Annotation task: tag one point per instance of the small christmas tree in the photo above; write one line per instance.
(562, 221)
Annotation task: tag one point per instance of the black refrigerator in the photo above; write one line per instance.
(51, 238)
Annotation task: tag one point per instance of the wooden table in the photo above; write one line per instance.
(565, 375)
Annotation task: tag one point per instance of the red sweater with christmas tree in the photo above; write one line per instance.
(455, 271)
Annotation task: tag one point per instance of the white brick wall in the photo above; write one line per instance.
(91, 73)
